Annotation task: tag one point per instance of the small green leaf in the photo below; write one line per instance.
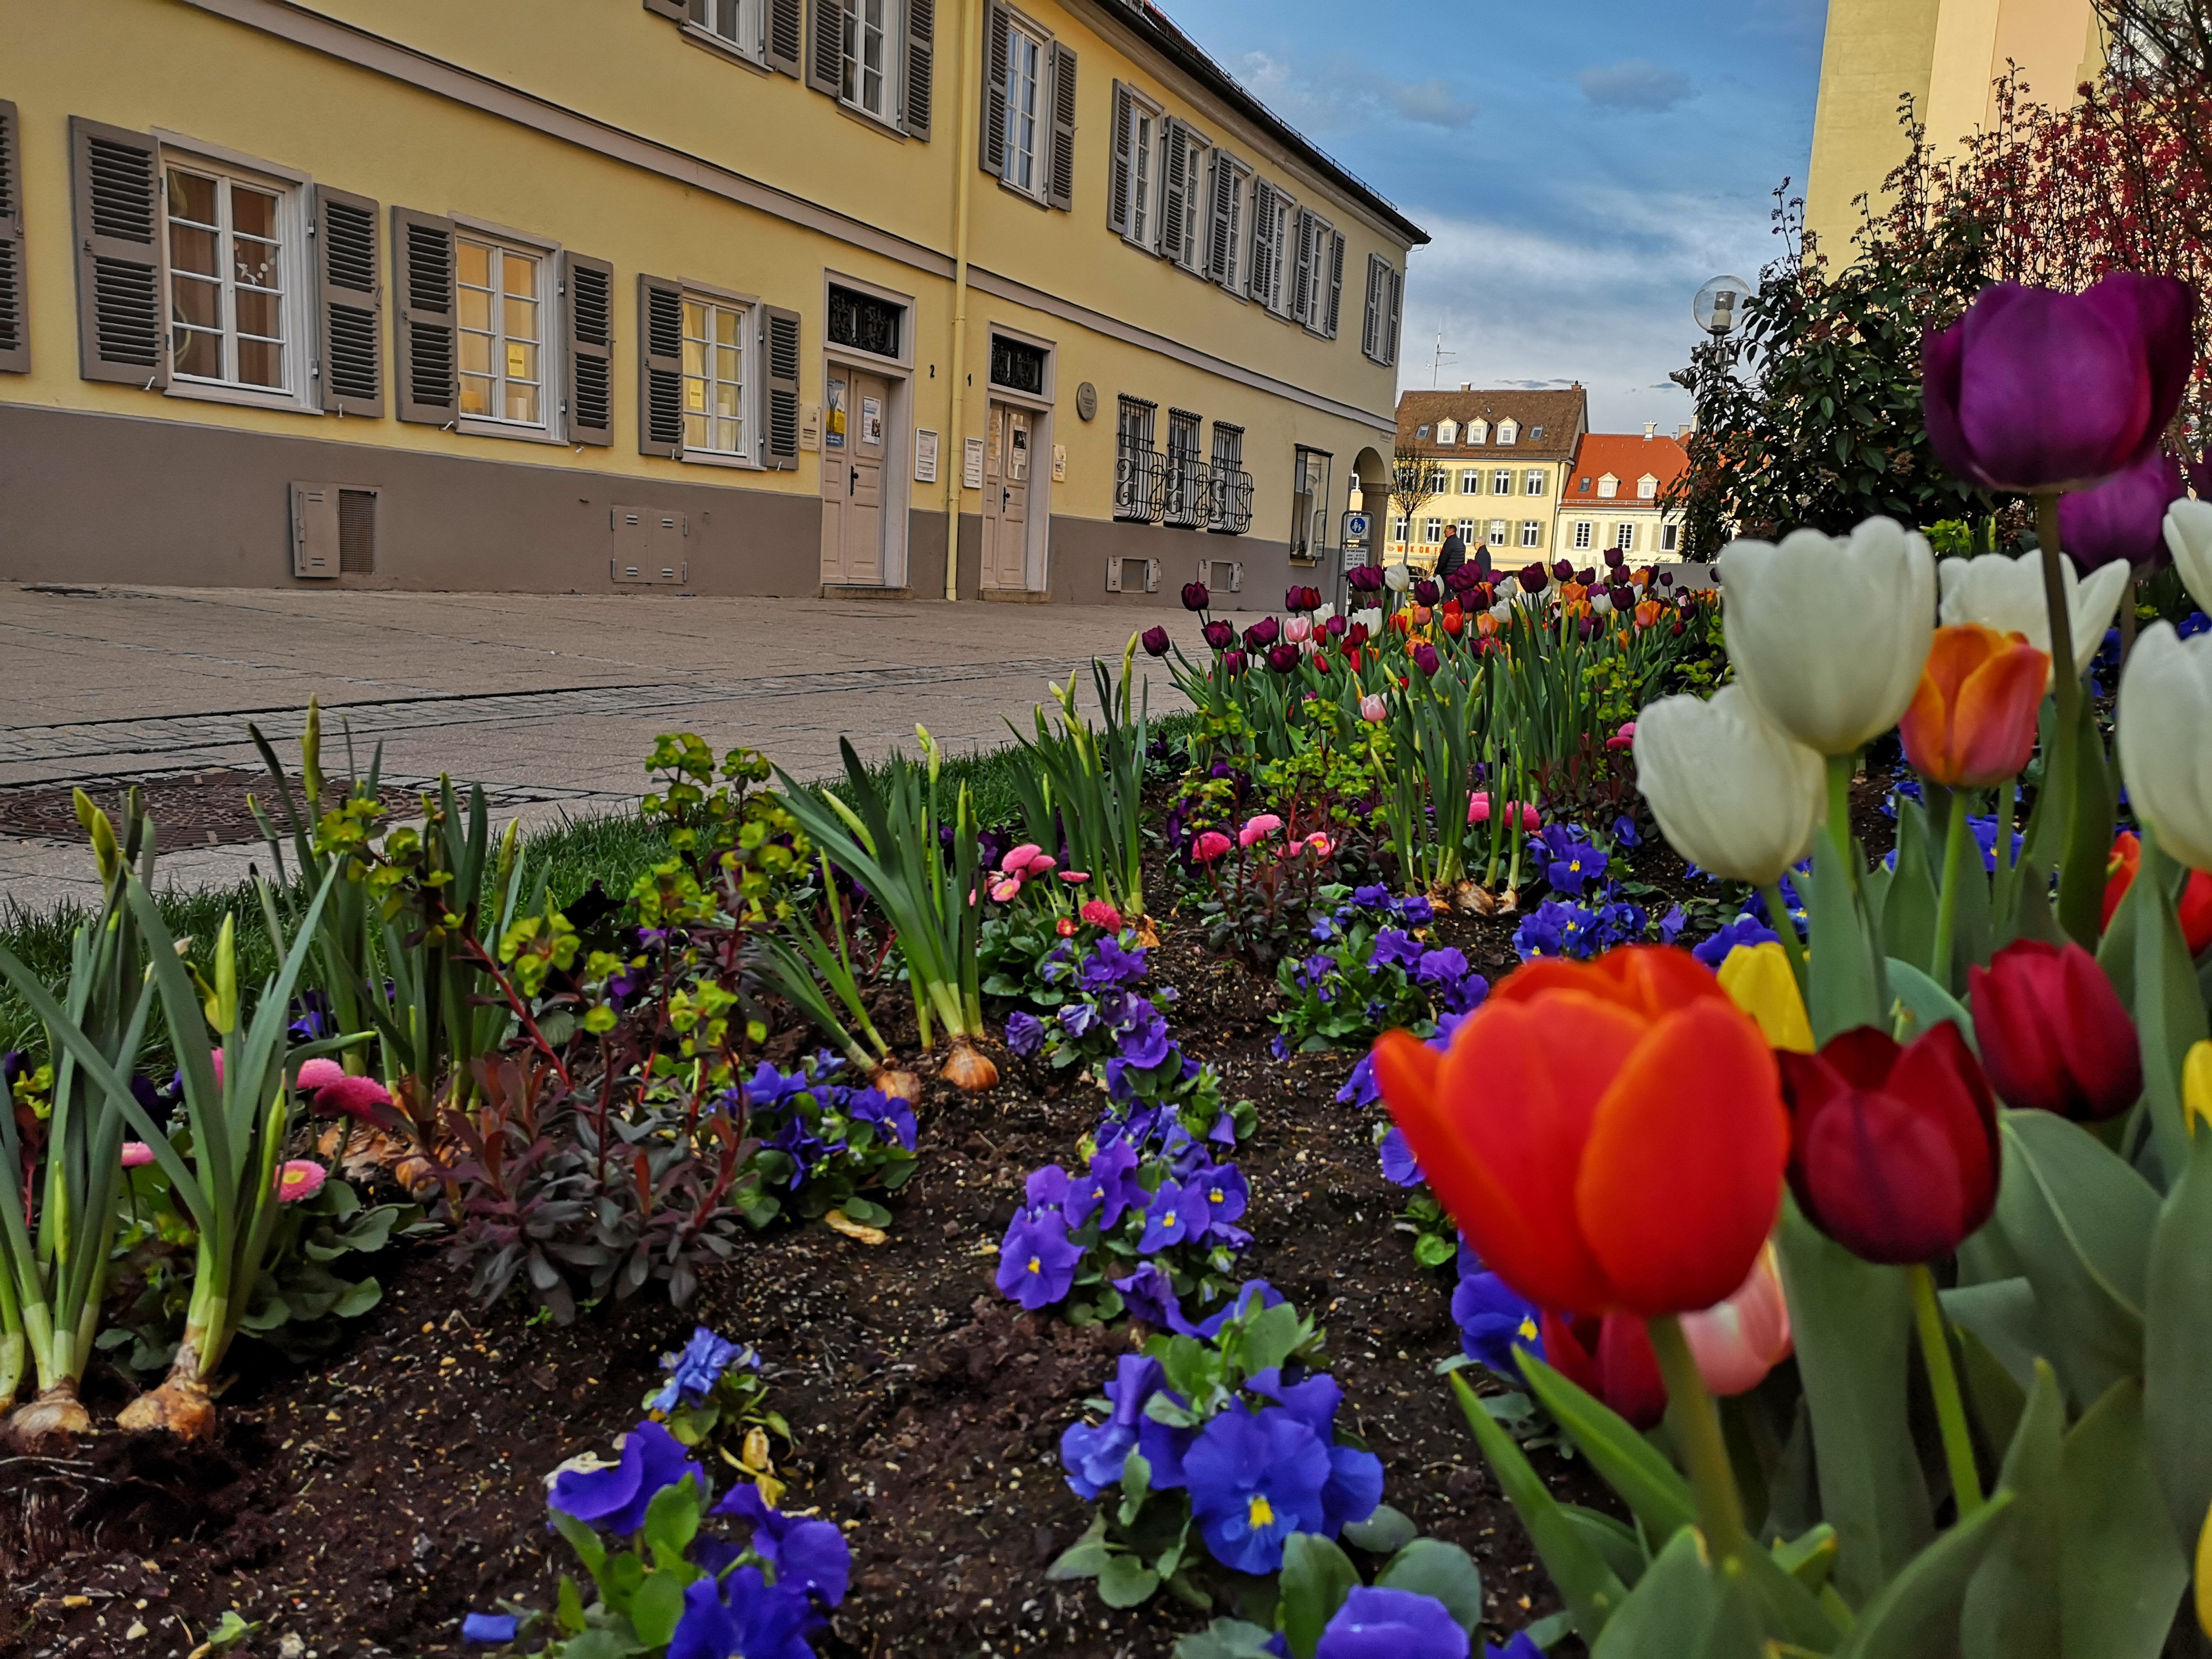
(657, 1608)
(1226, 1638)
(1429, 1566)
(1383, 1533)
(568, 1605)
(1126, 1582)
(1916, 1614)
(358, 1299)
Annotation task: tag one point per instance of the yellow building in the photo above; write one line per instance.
(749, 296)
(1500, 459)
(1945, 55)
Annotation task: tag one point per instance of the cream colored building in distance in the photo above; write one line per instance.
(1016, 299)
(1611, 499)
(1945, 55)
(1501, 458)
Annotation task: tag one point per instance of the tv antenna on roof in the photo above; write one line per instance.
(1435, 366)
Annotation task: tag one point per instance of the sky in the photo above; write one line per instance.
(1581, 166)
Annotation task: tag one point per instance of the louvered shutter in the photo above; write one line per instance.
(15, 322)
(423, 285)
(1265, 255)
(921, 64)
(659, 368)
(350, 328)
(995, 46)
(1175, 191)
(784, 45)
(1303, 227)
(116, 175)
(1221, 229)
(1397, 280)
(675, 9)
(1117, 190)
(588, 285)
(1371, 327)
(1060, 181)
(1335, 306)
(825, 45)
(779, 335)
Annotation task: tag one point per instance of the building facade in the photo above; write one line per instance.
(1497, 461)
(737, 296)
(1611, 495)
(1946, 56)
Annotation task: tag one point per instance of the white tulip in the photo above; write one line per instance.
(1828, 634)
(1503, 610)
(1370, 619)
(1397, 577)
(2188, 537)
(1602, 602)
(1733, 792)
(2164, 732)
(2006, 594)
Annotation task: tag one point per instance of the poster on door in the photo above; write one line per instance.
(833, 424)
(871, 422)
(1018, 458)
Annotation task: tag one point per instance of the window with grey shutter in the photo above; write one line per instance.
(1060, 182)
(784, 45)
(1378, 299)
(659, 368)
(350, 327)
(921, 64)
(1303, 229)
(118, 255)
(589, 285)
(423, 285)
(996, 28)
(825, 45)
(1335, 306)
(1175, 190)
(14, 323)
(1118, 183)
(1224, 234)
(1267, 256)
(779, 346)
(1396, 309)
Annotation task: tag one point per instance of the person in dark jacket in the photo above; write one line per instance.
(1451, 555)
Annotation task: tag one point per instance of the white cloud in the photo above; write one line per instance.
(1634, 84)
(1341, 96)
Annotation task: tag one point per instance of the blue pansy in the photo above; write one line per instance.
(1571, 863)
(1416, 912)
(1077, 1018)
(1371, 895)
(1624, 831)
(1354, 1486)
(614, 1499)
(1093, 1455)
(1109, 964)
(742, 1613)
(1109, 1189)
(1255, 1478)
(1360, 1089)
(891, 1116)
(1446, 965)
(1223, 1188)
(1377, 1622)
(1047, 1187)
(1522, 1646)
(1746, 929)
(1177, 1215)
(1492, 1320)
(1400, 1167)
(489, 1630)
(1036, 1259)
(1024, 1034)
(1671, 925)
(1146, 1045)
(808, 1555)
(1395, 947)
(693, 1373)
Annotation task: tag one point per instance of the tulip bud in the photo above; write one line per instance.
(1760, 981)
(2053, 1033)
(1894, 1151)
(1425, 592)
(2124, 517)
(1372, 708)
(1562, 571)
(1425, 658)
(2165, 713)
(1602, 602)
(1234, 661)
(1733, 793)
(1972, 719)
(1219, 634)
(1358, 635)
(1194, 596)
(1335, 628)
(2188, 530)
(1610, 1358)
(1155, 640)
(1397, 577)
(2006, 593)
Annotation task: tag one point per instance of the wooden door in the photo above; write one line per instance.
(855, 425)
(1008, 456)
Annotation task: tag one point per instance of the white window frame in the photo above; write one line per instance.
(1197, 197)
(1532, 532)
(1608, 487)
(1447, 432)
(551, 363)
(1465, 528)
(1501, 481)
(1508, 432)
(1470, 481)
(736, 27)
(301, 287)
(1398, 527)
(1148, 172)
(892, 31)
(1497, 532)
(1670, 539)
(1534, 483)
(1478, 432)
(1432, 531)
(1647, 489)
(1282, 273)
(752, 436)
(1623, 536)
(1021, 33)
(1584, 530)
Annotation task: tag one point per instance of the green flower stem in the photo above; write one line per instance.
(2067, 684)
(1840, 769)
(2006, 792)
(1947, 903)
(1943, 1383)
(1695, 1426)
(1783, 923)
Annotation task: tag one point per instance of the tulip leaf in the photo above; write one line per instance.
(2011, 1607)
(1616, 1541)
(1683, 1609)
(1852, 1324)
(2092, 800)
(2079, 1218)
(1658, 1497)
(1316, 1576)
(1916, 1614)
(1925, 1003)
(2000, 1315)
(1808, 1559)
(1592, 1591)
(1993, 1393)
(1846, 989)
(2178, 1342)
(2169, 1009)
(1908, 909)
(1429, 1566)
(2121, 1570)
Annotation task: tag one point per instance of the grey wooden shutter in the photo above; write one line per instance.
(1371, 328)
(675, 9)
(589, 286)
(825, 46)
(1175, 190)
(1397, 280)
(780, 334)
(995, 47)
(116, 175)
(1303, 227)
(15, 320)
(1335, 306)
(1060, 180)
(1265, 254)
(659, 368)
(921, 64)
(1221, 229)
(423, 285)
(349, 326)
(1117, 192)
(784, 45)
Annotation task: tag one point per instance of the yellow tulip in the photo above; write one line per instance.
(1758, 981)
(2196, 1085)
(2204, 1567)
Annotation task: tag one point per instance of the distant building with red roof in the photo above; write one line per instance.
(1611, 495)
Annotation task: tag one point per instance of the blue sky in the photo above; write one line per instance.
(1581, 166)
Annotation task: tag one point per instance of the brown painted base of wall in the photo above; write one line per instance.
(107, 498)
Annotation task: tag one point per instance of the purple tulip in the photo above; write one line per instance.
(1284, 659)
(2124, 517)
(1334, 626)
(1262, 634)
(1219, 634)
(1465, 579)
(1194, 596)
(1233, 661)
(2034, 391)
(1425, 592)
(1622, 595)
(1533, 578)
(1155, 641)
(1564, 571)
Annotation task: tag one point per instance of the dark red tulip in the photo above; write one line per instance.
(1262, 634)
(1155, 640)
(1587, 575)
(1892, 1151)
(2034, 390)
(1614, 558)
(1610, 1358)
(1302, 599)
(1356, 635)
(1425, 658)
(1364, 579)
(1622, 595)
(1334, 626)
(1284, 659)
(1425, 592)
(2124, 517)
(1219, 634)
(1587, 627)
(1564, 571)
(1533, 578)
(1666, 577)
(2053, 1033)
(1194, 596)
(1465, 579)
(1233, 661)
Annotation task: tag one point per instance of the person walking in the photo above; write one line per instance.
(1451, 555)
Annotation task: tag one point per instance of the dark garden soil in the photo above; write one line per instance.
(359, 1506)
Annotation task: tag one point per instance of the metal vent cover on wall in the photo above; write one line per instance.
(649, 545)
(1222, 575)
(1130, 575)
(333, 529)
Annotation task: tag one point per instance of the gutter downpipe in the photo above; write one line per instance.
(954, 454)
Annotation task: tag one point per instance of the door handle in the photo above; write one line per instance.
(855, 484)
(1005, 495)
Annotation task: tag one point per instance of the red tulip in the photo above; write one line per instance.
(1608, 1135)
(1894, 1151)
(2195, 893)
(1971, 722)
(2054, 1034)
(1608, 1356)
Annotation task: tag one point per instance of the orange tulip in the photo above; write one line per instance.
(1485, 624)
(1609, 1135)
(1972, 723)
(1648, 611)
(1454, 619)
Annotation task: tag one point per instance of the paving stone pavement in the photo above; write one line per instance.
(550, 700)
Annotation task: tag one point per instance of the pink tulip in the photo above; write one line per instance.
(1208, 847)
(1075, 877)
(137, 1154)
(1004, 888)
(1258, 827)
(299, 1179)
(1737, 1342)
(1017, 858)
(1099, 914)
(215, 1054)
(1372, 708)
(319, 1073)
(1298, 630)
(1624, 737)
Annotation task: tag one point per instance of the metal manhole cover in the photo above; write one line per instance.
(189, 809)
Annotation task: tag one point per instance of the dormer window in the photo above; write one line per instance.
(1535, 434)
(1608, 486)
(1478, 432)
(1507, 432)
(1647, 489)
(1448, 432)
(1421, 433)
